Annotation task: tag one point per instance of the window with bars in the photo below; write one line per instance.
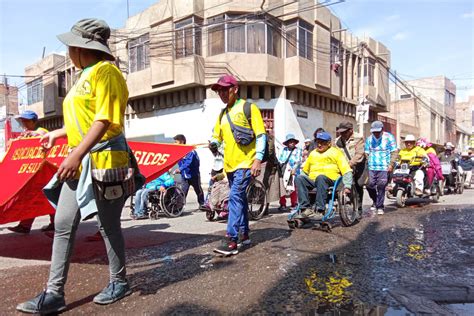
(234, 33)
(139, 53)
(369, 71)
(188, 37)
(335, 50)
(35, 91)
(299, 39)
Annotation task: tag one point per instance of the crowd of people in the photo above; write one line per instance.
(94, 112)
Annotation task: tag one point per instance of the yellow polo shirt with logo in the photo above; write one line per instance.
(238, 156)
(332, 163)
(100, 94)
(414, 156)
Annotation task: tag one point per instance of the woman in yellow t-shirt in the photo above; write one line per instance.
(93, 119)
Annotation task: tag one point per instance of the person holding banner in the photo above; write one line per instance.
(94, 111)
(29, 121)
(240, 127)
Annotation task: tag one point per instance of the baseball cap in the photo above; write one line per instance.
(27, 115)
(410, 138)
(376, 126)
(224, 82)
(344, 126)
(323, 136)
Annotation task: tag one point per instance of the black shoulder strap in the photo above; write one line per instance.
(344, 146)
(248, 112)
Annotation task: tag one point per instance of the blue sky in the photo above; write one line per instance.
(426, 37)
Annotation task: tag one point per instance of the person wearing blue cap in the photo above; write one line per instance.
(290, 161)
(29, 121)
(324, 165)
(381, 150)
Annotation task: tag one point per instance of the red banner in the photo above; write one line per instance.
(26, 169)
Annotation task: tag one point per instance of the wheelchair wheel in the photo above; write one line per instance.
(173, 201)
(257, 199)
(347, 206)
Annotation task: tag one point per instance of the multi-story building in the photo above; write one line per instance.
(426, 107)
(291, 58)
(8, 100)
(465, 119)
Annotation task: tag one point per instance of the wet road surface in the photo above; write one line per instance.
(403, 261)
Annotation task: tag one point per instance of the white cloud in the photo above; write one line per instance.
(468, 15)
(400, 36)
(392, 17)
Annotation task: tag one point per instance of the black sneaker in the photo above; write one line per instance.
(44, 303)
(19, 229)
(227, 248)
(48, 228)
(140, 217)
(113, 292)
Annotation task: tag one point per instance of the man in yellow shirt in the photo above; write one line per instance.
(240, 127)
(322, 168)
(416, 156)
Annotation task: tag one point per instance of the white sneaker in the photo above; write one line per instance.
(372, 208)
(380, 211)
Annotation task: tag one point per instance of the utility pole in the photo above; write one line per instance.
(361, 113)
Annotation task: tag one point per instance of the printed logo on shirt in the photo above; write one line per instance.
(85, 88)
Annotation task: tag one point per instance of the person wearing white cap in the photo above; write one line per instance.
(290, 161)
(381, 151)
(448, 156)
(416, 156)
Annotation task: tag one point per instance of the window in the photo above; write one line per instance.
(299, 38)
(188, 37)
(369, 71)
(216, 35)
(61, 83)
(139, 52)
(35, 91)
(449, 98)
(335, 50)
(235, 33)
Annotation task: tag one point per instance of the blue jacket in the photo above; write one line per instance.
(189, 165)
(466, 164)
(165, 180)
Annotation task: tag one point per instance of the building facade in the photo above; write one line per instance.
(465, 118)
(295, 63)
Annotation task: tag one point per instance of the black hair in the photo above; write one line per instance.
(180, 138)
(318, 130)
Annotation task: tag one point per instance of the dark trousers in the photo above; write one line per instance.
(304, 184)
(360, 194)
(195, 182)
(376, 187)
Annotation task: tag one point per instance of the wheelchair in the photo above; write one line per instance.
(338, 202)
(256, 199)
(171, 203)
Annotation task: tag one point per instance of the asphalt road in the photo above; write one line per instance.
(403, 261)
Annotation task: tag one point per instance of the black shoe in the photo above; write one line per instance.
(48, 228)
(227, 248)
(113, 292)
(44, 303)
(283, 209)
(19, 229)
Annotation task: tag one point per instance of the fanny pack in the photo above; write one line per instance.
(111, 184)
(242, 135)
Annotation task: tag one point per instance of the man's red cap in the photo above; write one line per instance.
(225, 81)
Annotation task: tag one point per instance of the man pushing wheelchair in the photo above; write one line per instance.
(325, 168)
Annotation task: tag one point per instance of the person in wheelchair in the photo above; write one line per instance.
(324, 165)
(141, 196)
(448, 156)
(418, 160)
(465, 165)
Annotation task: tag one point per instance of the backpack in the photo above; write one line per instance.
(248, 115)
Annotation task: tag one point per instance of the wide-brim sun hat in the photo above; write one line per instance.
(290, 137)
(410, 138)
(90, 34)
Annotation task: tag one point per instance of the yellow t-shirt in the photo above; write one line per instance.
(238, 156)
(332, 163)
(99, 94)
(410, 155)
